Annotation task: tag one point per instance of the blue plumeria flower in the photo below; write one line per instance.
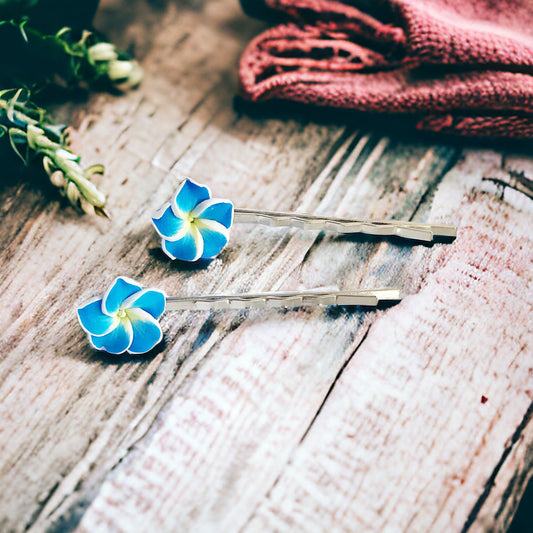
(124, 319)
(193, 225)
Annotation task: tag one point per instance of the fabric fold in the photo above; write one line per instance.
(460, 66)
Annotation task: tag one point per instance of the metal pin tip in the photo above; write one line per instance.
(389, 295)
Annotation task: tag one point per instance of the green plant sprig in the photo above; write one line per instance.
(31, 136)
(51, 15)
(36, 58)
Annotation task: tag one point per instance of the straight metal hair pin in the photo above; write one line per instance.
(126, 317)
(194, 226)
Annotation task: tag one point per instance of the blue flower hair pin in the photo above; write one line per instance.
(195, 226)
(126, 317)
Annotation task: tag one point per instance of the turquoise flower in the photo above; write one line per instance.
(193, 225)
(124, 319)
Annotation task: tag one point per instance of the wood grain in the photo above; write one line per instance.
(264, 420)
(403, 441)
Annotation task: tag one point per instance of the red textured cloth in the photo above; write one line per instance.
(459, 66)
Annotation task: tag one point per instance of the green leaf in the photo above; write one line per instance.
(51, 15)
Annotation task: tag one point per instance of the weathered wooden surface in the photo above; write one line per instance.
(306, 420)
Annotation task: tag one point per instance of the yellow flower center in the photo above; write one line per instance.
(121, 313)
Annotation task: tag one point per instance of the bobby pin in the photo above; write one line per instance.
(193, 225)
(126, 317)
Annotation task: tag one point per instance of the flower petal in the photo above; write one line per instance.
(167, 224)
(190, 248)
(121, 288)
(218, 210)
(146, 331)
(92, 320)
(188, 196)
(117, 341)
(215, 237)
(150, 300)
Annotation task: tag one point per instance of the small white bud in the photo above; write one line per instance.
(102, 52)
(119, 70)
(89, 191)
(86, 207)
(73, 194)
(134, 79)
(58, 179)
(68, 155)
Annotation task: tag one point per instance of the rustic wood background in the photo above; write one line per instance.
(413, 418)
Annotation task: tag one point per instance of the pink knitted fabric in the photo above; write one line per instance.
(459, 66)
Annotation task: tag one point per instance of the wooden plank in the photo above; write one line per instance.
(134, 445)
(234, 450)
(405, 441)
(81, 412)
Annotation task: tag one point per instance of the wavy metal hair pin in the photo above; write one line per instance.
(126, 317)
(194, 226)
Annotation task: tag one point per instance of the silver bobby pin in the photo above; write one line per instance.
(406, 230)
(370, 298)
(126, 317)
(193, 226)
